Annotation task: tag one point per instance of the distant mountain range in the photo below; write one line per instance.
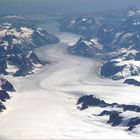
(114, 40)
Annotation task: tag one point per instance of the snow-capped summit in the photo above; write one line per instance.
(18, 38)
(87, 47)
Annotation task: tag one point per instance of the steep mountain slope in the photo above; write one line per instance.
(5, 87)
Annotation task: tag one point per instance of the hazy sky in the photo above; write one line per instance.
(44, 6)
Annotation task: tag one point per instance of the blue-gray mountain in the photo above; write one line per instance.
(86, 26)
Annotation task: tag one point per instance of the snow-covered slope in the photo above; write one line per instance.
(118, 69)
(124, 64)
(24, 36)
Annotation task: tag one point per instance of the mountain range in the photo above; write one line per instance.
(114, 40)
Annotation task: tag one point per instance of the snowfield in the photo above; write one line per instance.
(44, 106)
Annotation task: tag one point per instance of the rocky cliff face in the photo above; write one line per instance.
(116, 112)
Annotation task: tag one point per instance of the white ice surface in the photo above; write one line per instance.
(44, 106)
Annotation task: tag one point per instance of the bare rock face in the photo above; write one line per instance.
(4, 95)
(132, 82)
(120, 70)
(89, 100)
(115, 119)
(6, 85)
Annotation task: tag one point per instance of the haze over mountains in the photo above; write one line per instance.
(53, 6)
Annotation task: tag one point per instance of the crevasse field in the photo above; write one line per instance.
(45, 103)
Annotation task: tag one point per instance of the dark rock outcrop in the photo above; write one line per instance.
(115, 119)
(115, 116)
(132, 82)
(2, 107)
(6, 85)
(132, 123)
(4, 95)
(106, 112)
(90, 100)
(109, 69)
(117, 70)
(87, 47)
